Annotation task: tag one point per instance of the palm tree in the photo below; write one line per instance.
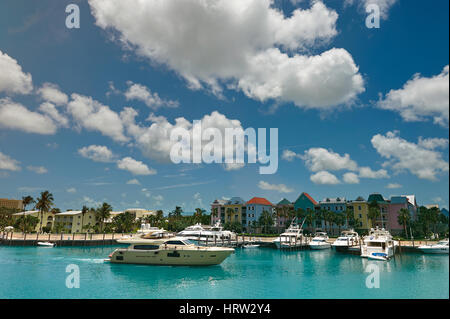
(102, 213)
(310, 217)
(266, 220)
(44, 203)
(374, 212)
(340, 220)
(27, 200)
(403, 218)
(84, 211)
(198, 214)
(348, 213)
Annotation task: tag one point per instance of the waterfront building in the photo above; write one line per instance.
(360, 208)
(218, 211)
(112, 215)
(75, 222)
(47, 218)
(381, 221)
(396, 203)
(336, 205)
(255, 207)
(11, 203)
(444, 211)
(306, 203)
(282, 209)
(140, 212)
(235, 211)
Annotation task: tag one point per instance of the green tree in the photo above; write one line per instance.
(27, 200)
(27, 223)
(103, 213)
(44, 204)
(124, 223)
(265, 221)
(403, 218)
(198, 215)
(374, 212)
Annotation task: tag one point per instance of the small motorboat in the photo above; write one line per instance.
(439, 248)
(320, 241)
(378, 256)
(45, 244)
(250, 246)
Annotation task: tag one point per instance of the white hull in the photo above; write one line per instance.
(46, 244)
(319, 246)
(433, 250)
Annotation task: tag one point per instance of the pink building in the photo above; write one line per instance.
(396, 203)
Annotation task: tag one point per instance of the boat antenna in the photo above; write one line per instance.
(301, 227)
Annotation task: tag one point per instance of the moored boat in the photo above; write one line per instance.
(320, 241)
(439, 248)
(378, 245)
(291, 238)
(347, 241)
(45, 244)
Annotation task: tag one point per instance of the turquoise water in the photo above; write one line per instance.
(36, 272)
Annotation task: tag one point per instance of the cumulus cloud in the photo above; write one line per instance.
(393, 186)
(144, 94)
(71, 190)
(51, 110)
(289, 155)
(51, 93)
(324, 178)
(38, 169)
(281, 188)
(94, 116)
(7, 163)
(351, 178)
(367, 172)
(321, 159)
(12, 78)
(135, 167)
(17, 117)
(402, 155)
(433, 143)
(97, 153)
(247, 45)
(133, 181)
(421, 98)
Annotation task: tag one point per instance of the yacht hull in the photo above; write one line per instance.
(319, 247)
(433, 250)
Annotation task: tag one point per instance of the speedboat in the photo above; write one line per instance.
(176, 251)
(440, 248)
(348, 240)
(320, 241)
(378, 245)
(45, 244)
(201, 233)
(292, 237)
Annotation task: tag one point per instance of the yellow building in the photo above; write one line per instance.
(360, 209)
(235, 210)
(11, 203)
(74, 221)
(47, 218)
(140, 212)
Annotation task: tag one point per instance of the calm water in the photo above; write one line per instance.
(32, 272)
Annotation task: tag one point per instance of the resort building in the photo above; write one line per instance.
(305, 202)
(218, 211)
(396, 203)
(235, 211)
(255, 207)
(140, 212)
(75, 222)
(112, 215)
(383, 203)
(336, 205)
(47, 218)
(282, 210)
(360, 208)
(11, 203)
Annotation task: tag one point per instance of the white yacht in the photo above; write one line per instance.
(146, 231)
(176, 251)
(440, 248)
(292, 237)
(201, 233)
(378, 245)
(320, 241)
(348, 240)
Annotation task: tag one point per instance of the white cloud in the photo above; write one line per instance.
(94, 116)
(393, 186)
(50, 109)
(12, 78)
(433, 143)
(324, 178)
(142, 93)
(242, 44)
(384, 5)
(321, 159)
(133, 181)
(38, 169)
(281, 188)
(135, 167)
(421, 98)
(289, 155)
(367, 172)
(97, 153)
(158, 200)
(7, 163)
(17, 117)
(403, 155)
(51, 93)
(351, 178)
(71, 190)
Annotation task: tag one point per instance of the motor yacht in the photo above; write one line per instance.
(320, 241)
(291, 238)
(378, 245)
(176, 251)
(348, 240)
(202, 234)
(439, 248)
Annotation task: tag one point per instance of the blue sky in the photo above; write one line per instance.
(412, 39)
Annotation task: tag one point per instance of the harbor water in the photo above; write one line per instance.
(38, 272)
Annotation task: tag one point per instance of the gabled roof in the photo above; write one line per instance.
(284, 201)
(259, 201)
(310, 198)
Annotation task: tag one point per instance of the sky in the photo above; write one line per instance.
(87, 112)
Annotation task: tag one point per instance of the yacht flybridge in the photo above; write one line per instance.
(378, 245)
(319, 241)
(168, 251)
(292, 237)
(201, 233)
(439, 248)
(148, 232)
(348, 240)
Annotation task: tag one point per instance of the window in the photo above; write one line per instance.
(146, 247)
(360, 216)
(174, 242)
(359, 207)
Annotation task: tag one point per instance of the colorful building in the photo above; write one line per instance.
(383, 220)
(305, 202)
(396, 203)
(281, 210)
(75, 222)
(255, 207)
(360, 208)
(218, 211)
(235, 211)
(47, 218)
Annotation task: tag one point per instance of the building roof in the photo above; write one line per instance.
(411, 199)
(259, 201)
(28, 212)
(336, 200)
(69, 213)
(235, 201)
(376, 197)
(310, 198)
(219, 202)
(284, 201)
